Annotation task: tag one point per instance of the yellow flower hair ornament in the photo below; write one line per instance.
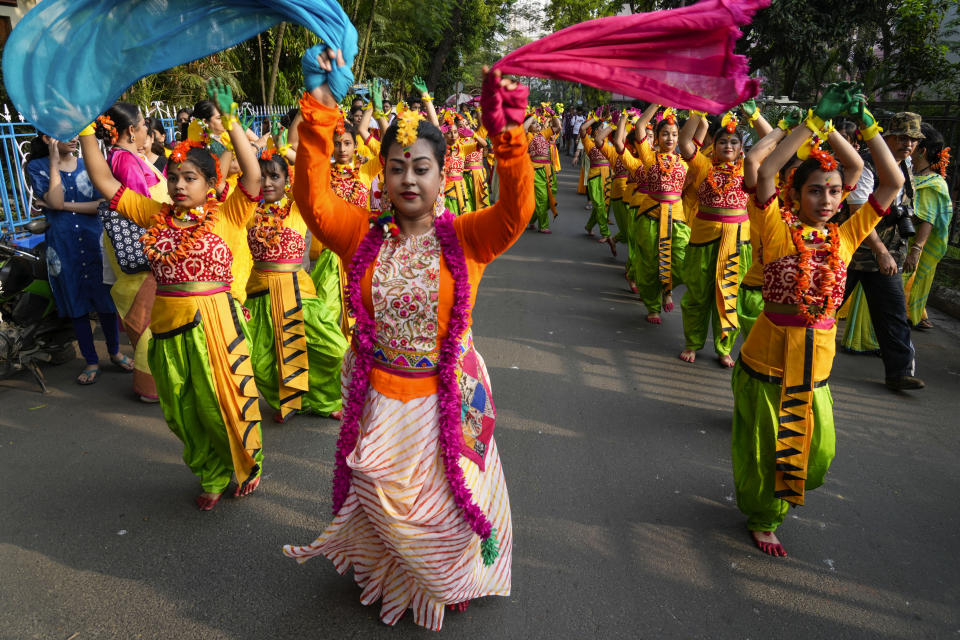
(407, 124)
(729, 122)
(198, 131)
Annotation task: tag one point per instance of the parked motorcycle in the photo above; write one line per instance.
(30, 330)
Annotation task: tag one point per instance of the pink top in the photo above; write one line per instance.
(131, 171)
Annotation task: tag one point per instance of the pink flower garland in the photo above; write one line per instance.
(364, 335)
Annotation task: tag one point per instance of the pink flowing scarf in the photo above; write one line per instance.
(678, 57)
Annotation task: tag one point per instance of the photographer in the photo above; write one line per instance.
(877, 263)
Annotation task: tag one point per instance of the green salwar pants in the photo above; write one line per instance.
(647, 274)
(754, 442)
(699, 302)
(598, 215)
(325, 348)
(749, 307)
(541, 194)
(181, 367)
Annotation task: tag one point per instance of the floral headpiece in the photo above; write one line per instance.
(667, 114)
(941, 165)
(825, 158)
(407, 124)
(198, 131)
(107, 123)
(729, 122)
(179, 154)
(449, 121)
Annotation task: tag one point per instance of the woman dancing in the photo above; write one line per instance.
(783, 437)
(422, 513)
(199, 353)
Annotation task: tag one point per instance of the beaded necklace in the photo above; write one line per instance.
(728, 169)
(268, 221)
(202, 221)
(345, 181)
(829, 241)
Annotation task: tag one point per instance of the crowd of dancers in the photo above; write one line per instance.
(240, 264)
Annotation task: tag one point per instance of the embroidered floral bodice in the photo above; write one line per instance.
(474, 160)
(672, 182)
(780, 279)
(539, 148)
(619, 171)
(345, 182)
(454, 163)
(290, 248)
(733, 198)
(208, 260)
(597, 159)
(406, 293)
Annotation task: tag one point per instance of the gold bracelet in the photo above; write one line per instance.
(426, 98)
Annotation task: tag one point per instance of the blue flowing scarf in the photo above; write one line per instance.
(68, 61)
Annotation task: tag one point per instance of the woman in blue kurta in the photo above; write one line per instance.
(74, 261)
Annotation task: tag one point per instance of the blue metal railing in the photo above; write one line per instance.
(15, 192)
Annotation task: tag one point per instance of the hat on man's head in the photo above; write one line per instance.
(905, 123)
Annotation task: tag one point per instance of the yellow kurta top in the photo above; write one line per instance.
(619, 175)
(705, 231)
(259, 281)
(372, 168)
(648, 201)
(171, 312)
(764, 348)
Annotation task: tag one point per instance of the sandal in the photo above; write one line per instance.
(122, 361)
(89, 375)
(923, 324)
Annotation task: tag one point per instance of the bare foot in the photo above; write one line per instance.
(279, 418)
(725, 361)
(653, 318)
(668, 303)
(613, 246)
(769, 543)
(207, 501)
(336, 415)
(247, 489)
(688, 355)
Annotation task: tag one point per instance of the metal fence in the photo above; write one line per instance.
(16, 195)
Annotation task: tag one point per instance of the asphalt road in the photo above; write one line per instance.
(617, 457)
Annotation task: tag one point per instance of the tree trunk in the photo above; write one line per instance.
(366, 41)
(445, 46)
(274, 69)
(263, 90)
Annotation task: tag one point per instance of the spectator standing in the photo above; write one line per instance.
(877, 263)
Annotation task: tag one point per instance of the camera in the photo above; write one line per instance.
(902, 216)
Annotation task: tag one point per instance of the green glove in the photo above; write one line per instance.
(860, 113)
(376, 95)
(222, 96)
(792, 118)
(283, 137)
(420, 85)
(275, 128)
(749, 107)
(836, 100)
(246, 121)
